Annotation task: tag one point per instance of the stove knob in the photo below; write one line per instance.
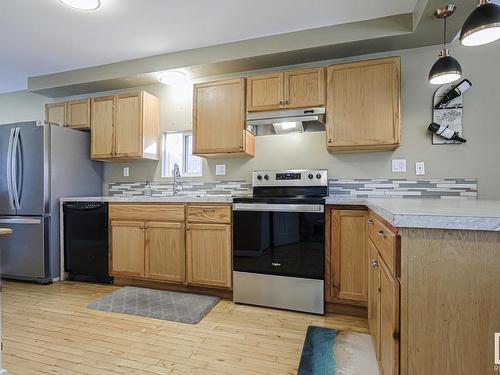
(259, 177)
(318, 176)
(266, 177)
(310, 176)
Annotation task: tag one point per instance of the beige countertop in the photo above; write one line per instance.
(152, 199)
(468, 214)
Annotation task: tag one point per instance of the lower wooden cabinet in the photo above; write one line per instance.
(127, 242)
(389, 322)
(150, 242)
(165, 251)
(348, 256)
(383, 312)
(209, 255)
(373, 296)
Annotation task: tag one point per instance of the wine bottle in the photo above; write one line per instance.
(446, 132)
(455, 92)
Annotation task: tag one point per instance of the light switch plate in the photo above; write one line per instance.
(399, 165)
(419, 168)
(220, 169)
(126, 171)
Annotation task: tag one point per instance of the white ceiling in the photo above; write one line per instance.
(43, 36)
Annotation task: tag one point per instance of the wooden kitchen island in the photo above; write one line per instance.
(3, 232)
(428, 274)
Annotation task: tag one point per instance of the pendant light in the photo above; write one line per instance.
(446, 69)
(482, 26)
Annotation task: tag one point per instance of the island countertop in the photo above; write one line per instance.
(467, 214)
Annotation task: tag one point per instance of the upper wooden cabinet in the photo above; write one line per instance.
(126, 126)
(349, 256)
(265, 92)
(363, 105)
(56, 113)
(219, 120)
(286, 90)
(73, 114)
(78, 114)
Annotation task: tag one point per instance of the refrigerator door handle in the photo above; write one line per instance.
(20, 221)
(9, 169)
(14, 169)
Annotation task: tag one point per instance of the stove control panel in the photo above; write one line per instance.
(305, 177)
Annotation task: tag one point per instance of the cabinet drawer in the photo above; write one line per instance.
(147, 212)
(385, 241)
(209, 214)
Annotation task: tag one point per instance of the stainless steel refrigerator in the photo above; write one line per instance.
(39, 163)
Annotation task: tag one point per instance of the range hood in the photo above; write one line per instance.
(304, 120)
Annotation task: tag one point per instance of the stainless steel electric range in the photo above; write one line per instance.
(279, 241)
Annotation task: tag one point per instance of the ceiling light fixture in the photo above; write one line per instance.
(173, 78)
(446, 69)
(85, 5)
(482, 26)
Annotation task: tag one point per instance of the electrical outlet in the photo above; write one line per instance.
(399, 165)
(220, 169)
(126, 171)
(419, 168)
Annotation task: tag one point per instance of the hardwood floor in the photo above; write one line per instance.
(49, 330)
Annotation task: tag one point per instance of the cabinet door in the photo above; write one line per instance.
(363, 105)
(349, 255)
(127, 248)
(219, 117)
(209, 255)
(265, 92)
(389, 321)
(374, 295)
(128, 125)
(56, 113)
(102, 123)
(305, 88)
(165, 251)
(78, 114)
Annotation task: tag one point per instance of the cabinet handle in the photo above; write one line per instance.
(287, 102)
(209, 210)
(241, 147)
(281, 102)
(330, 140)
(369, 221)
(381, 233)
(374, 263)
(141, 227)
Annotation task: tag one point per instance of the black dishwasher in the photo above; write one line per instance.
(86, 241)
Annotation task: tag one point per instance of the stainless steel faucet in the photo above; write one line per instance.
(177, 187)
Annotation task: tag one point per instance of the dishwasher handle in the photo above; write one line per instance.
(84, 206)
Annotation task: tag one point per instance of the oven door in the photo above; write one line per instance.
(279, 239)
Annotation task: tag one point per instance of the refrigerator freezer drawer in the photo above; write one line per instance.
(24, 253)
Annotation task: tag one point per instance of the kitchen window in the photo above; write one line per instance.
(178, 149)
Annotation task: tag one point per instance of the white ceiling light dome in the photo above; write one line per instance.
(85, 5)
(173, 78)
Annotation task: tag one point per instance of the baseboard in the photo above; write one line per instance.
(223, 293)
(340, 308)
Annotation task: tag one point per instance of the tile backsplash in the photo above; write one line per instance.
(355, 188)
(164, 189)
(422, 188)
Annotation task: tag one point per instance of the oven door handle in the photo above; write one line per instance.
(279, 207)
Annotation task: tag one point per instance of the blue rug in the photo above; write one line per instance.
(317, 355)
